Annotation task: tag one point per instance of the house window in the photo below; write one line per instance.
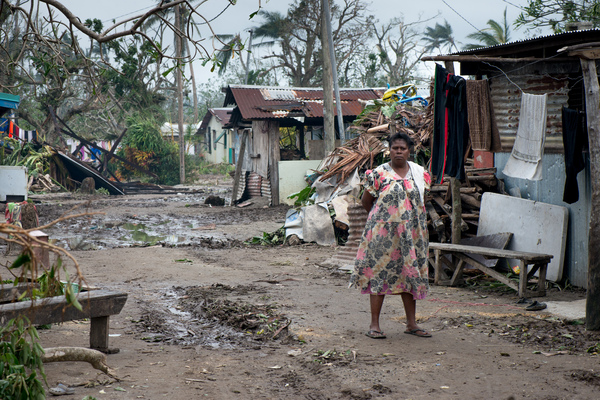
(209, 141)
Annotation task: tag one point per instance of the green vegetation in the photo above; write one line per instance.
(303, 197)
(145, 146)
(203, 167)
(33, 156)
(21, 365)
(269, 239)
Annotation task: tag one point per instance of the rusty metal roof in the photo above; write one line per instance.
(262, 102)
(541, 46)
(222, 114)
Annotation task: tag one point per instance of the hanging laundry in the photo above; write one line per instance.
(29, 136)
(526, 156)
(574, 140)
(483, 129)
(451, 128)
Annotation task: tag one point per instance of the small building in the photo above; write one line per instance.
(8, 103)
(538, 66)
(260, 111)
(170, 131)
(217, 142)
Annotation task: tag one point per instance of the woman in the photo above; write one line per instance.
(392, 256)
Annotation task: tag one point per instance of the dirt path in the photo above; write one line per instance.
(203, 309)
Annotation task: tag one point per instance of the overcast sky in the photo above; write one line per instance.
(463, 15)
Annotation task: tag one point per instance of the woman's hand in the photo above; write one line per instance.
(367, 200)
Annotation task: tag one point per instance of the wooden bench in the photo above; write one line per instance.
(461, 255)
(97, 305)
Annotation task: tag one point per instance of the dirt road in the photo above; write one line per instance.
(210, 317)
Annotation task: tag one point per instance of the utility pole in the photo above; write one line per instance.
(328, 120)
(179, 95)
(334, 76)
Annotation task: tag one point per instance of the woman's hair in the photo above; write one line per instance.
(401, 136)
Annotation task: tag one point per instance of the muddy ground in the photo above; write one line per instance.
(210, 317)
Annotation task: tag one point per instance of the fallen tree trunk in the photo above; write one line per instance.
(94, 357)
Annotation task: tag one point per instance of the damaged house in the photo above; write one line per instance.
(257, 116)
(546, 66)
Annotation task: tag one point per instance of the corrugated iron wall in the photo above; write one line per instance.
(506, 97)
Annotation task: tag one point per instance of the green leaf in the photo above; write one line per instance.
(21, 260)
(71, 297)
(388, 111)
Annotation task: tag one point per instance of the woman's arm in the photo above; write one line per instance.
(367, 200)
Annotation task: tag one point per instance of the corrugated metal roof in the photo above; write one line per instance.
(546, 44)
(222, 114)
(256, 102)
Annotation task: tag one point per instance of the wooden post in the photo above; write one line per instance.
(456, 210)
(300, 140)
(437, 267)
(274, 158)
(99, 328)
(179, 80)
(238, 167)
(592, 106)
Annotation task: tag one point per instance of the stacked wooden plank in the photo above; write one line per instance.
(439, 205)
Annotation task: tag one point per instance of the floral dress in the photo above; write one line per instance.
(392, 255)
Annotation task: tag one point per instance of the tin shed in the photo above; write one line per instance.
(538, 66)
(260, 111)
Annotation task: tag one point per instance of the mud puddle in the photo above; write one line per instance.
(130, 231)
(218, 316)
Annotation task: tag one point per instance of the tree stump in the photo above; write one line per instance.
(88, 186)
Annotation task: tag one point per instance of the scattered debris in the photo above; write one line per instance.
(269, 239)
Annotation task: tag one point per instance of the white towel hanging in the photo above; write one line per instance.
(526, 156)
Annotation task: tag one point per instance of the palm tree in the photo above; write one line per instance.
(273, 28)
(439, 37)
(496, 33)
(231, 44)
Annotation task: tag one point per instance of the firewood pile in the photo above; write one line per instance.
(439, 204)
